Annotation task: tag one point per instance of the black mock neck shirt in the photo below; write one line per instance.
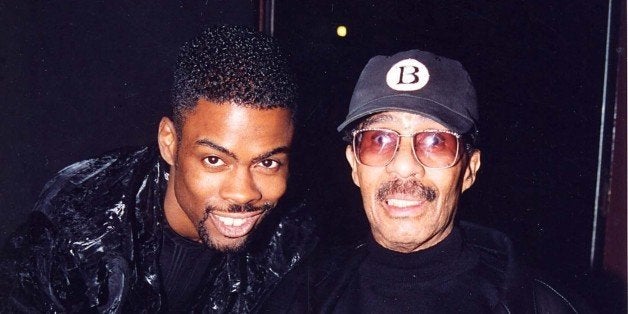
(439, 279)
(183, 264)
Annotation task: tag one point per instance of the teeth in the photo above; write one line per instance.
(231, 221)
(401, 203)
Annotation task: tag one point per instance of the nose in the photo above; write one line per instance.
(405, 164)
(239, 187)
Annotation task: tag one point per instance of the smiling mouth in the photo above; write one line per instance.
(233, 222)
(403, 207)
(232, 226)
(402, 203)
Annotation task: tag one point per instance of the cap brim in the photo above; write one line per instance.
(409, 103)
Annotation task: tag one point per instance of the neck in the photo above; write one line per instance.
(176, 217)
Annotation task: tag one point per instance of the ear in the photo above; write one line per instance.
(167, 139)
(473, 165)
(353, 163)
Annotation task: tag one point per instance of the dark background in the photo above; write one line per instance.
(81, 78)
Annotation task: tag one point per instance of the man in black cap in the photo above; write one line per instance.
(412, 127)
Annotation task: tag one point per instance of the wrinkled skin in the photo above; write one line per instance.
(429, 196)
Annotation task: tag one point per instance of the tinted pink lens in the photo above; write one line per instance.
(436, 149)
(375, 147)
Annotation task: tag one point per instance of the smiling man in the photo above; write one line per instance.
(410, 192)
(228, 168)
(411, 131)
(191, 226)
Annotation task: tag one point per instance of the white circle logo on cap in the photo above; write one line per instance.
(407, 75)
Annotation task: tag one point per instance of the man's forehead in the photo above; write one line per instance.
(395, 116)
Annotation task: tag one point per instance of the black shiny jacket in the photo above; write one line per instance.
(93, 242)
(317, 285)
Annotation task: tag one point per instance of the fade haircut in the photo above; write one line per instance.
(232, 64)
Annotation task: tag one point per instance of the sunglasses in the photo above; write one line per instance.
(431, 148)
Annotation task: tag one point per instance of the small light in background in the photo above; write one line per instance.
(341, 31)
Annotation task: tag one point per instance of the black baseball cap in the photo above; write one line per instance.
(418, 82)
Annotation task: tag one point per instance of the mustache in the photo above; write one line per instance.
(241, 208)
(411, 187)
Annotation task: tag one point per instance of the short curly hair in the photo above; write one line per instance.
(230, 63)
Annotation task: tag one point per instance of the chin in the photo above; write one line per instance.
(402, 240)
(230, 246)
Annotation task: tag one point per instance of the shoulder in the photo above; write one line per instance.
(82, 208)
(76, 235)
(486, 240)
(91, 181)
(522, 288)
(87, 207)
(96, 171)
(494, 250)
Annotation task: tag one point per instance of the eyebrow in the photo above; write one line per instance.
(206, 142)
(278, 150)
(383, 117)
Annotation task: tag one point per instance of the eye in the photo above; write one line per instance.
(382, 139)
(435, 141)
(213, 161)
(269, 164)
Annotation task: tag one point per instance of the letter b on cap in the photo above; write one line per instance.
(407, 75)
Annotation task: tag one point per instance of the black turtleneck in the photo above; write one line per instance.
(183, 264)
(439, 279)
